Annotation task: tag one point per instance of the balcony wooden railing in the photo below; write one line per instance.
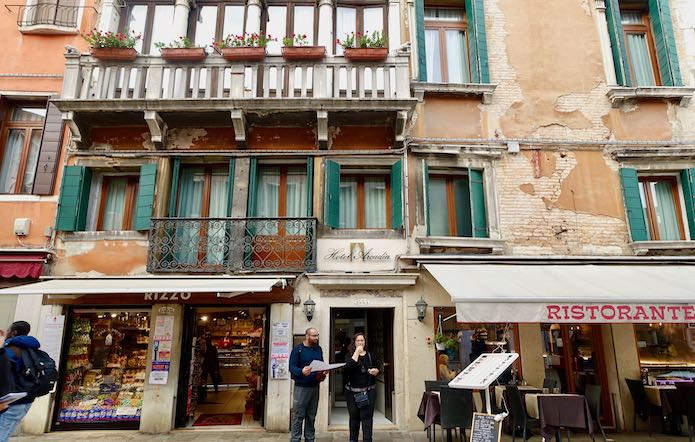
(151, 78)
(232, 245)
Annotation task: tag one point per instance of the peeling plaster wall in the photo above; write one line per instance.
(361, 137)
(94, 258)
(121, 138)
(447, 117)
(561, 203)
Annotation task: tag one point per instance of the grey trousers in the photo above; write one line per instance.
(305, 404)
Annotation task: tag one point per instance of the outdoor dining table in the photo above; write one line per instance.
(559, 410)
(671, 403)
(430, 407)
(523, 389)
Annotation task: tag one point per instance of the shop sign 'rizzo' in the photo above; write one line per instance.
(155, 296)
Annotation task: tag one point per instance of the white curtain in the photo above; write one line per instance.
(205, 26)
(348, 203)
(640, 60)
(276, 28)
(115, 205)
(375, 203)
(645, 208)
(268, 199)
(32, 159)
(190, 206)
(10, 160)
(296, 198)
(438, 208)
(137, 18)
(457, 56)
(162, 27)
(665, 208)
(434, 60)
(218, 209)
(345, 23)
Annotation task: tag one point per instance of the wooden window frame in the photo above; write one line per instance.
(131, 194)
(361, 209)
(149, 20)
(645, 29)
(289, 18)
(651, 214)
(219, 26)
(451, 200)
(441, 27)
(207, 185)
(359, 18)
(282, 194)
(29, 127)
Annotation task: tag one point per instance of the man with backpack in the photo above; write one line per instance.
(33, 371)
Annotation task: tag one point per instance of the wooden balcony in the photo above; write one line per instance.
(152, 89)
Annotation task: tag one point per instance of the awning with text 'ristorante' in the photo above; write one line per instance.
(573, 293)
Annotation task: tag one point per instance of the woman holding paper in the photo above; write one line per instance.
(361, 371)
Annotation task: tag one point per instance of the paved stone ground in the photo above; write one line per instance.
(262, 436)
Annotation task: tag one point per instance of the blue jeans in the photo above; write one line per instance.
(306, 403)
(10, 419)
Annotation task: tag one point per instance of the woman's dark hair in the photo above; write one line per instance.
(352, 346)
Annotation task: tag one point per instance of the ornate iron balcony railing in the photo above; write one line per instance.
(50, 14)
(232, 245)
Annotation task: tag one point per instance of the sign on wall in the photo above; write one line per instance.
(280, 350)
(359, 254)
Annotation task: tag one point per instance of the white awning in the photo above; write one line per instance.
(569, 293)
(223, 286)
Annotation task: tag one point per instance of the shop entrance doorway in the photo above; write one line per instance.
(573, 356)
(222, 380)
(377, 325)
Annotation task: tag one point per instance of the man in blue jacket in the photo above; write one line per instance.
(17, 340)
(306, 386)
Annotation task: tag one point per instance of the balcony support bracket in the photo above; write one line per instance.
(158, 128)
(78, 130)
(239, 122)
(322, 120)
(400, 126)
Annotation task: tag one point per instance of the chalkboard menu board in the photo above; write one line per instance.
(485, 428)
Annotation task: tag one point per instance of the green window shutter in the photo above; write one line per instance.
(310, 186)
(420, 36)
(618, 48)
(477, 41)
(230, 186)
(665, 43)
(74, 199)
(633, 204)
(688, 184)
(397, 195)
(479, 215)
(426, 185)
(464, 207)
(145, 200)
(173, 193)
(251, 206)
(332, 205)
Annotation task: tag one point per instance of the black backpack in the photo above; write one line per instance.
(39, 375)
(6, 375)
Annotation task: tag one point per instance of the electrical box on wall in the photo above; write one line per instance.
(21, 226)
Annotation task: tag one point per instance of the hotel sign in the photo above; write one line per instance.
(359, 255)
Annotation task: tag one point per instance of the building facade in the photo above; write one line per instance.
(526, 171)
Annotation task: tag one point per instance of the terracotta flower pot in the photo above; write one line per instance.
(304, 52)
(183, 54)
(114, 54)
(243, 53)
(366, 54)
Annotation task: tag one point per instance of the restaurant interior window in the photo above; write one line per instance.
(661, 206)
(104, 377)
(446, 46)
(462, 343)
(21, 136)
(640, 52)
(666, 351)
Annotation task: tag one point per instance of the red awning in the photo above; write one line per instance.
(24, 265)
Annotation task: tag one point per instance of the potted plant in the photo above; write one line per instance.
(446, 342)
(243, 47)
(119, 46)
(297, 48)
(182, 49)
(365, 47)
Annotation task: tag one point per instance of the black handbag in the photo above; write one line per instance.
(361, 399)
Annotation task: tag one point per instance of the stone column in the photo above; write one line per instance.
(253, 16)
(394, 17)
(109, 16)
(531, 353)
(604, 39)
(326, 37)
(412, 38)
(159, 401)
(278, 398)
(181, 11)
